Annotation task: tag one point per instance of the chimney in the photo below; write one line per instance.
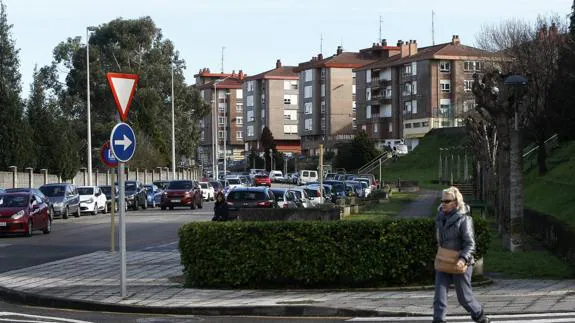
(241, 75)
(207, 70)
(233, 72)
(278, 63)
(384, 42)
(412, 47)
(455, 40)
(404, 48)
(320, 56)
(339, 50)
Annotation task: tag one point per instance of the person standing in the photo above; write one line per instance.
(221, 211)
(454, 230)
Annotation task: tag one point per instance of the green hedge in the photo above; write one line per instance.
(312, 254)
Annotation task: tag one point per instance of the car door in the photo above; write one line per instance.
(37, 212)
(100, 197)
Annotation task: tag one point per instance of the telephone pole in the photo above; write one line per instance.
(432, 27)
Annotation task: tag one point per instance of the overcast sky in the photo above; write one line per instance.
(257, 32)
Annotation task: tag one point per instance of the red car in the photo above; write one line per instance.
(23, 213)
(262, 180)
(182, 193)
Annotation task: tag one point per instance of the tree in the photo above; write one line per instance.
(268, 143)
(14, 132)
(357, 153)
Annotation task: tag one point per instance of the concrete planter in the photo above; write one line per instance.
(478, 267)
(346, 210)
(354, 209)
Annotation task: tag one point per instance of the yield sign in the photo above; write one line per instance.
(123, 87)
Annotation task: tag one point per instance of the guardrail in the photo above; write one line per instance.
(373, 163)
(530, 157)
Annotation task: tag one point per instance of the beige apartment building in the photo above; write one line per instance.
(405, 95)
(271, 100)
(327, 97)
(226, 117)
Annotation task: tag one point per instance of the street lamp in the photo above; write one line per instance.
(215, 128)
(518, 84)
(89, 130)
(173, 129)
(227, 95)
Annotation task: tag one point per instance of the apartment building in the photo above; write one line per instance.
(224, 94)
(271, 100)
(403, 96)
(327, 97)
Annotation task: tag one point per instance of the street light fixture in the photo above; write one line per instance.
(518, 84)
(88, 108)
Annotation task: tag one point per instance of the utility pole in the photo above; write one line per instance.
(380, 22)
(432, 27)
(321, 43)
(223, 47)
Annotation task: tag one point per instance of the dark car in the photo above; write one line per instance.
(182, 193)
(64, 198)
(153, 195)
(136, 195)
(24, 212)
(251, 197)
(107, 190)
(161, 184)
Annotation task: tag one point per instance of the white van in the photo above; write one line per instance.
(276, 176)
(307, 176)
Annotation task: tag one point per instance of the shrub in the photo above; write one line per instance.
(312, 254)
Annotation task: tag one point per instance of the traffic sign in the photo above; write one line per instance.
(107, 156)
(123, 88)
(123, 142)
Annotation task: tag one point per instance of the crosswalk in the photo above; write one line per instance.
(567, 317)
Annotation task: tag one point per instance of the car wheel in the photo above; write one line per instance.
(171, 208)
(78, 212)
(95, 212)
(163, 208)
(154, 205)
(145, 204)
(105, 208)
(48, 227)
(29, 229)
(66, 213)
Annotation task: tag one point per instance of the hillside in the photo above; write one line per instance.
(422, 164)
(554, 193)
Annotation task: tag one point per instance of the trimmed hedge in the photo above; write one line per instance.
(312, 254)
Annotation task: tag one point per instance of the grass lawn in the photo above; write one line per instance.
(383, 211)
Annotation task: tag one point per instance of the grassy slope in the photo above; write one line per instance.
(554, 193)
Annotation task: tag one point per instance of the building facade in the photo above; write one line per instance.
(224, 94)
(271, 100)
(403, 96)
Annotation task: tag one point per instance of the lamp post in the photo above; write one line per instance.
(227, 95)
(519, 84)
(215, 128)
(89, 127)
(173, 129)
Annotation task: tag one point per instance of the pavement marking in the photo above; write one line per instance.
(27, 318)
(3, 245)
(160, 246)
(566, 317)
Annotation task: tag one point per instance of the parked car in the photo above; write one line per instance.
(217, 186)
(251, 197)
(337, 189)
(276, 176)
(262, 180)
(285, 198)
(161, 184)
(2, 191)
(32, 190)
(24, 212)
(182, 193)
(306, 176)
(92, 200)
(153, 195)
(208, 192)
(107, 190)
(64, 198)
(302, 197)
(136, 195)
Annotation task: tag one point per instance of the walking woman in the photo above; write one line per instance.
(454, 229)
(221, 211)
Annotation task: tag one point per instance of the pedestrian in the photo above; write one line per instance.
(221, 211)
(454, 230)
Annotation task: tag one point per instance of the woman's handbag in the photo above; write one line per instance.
(446, 261)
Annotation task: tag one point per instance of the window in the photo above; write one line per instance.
(368, 76)
(202, 135)
(290, 99)
(239, 135)
(290, 129)
(417, 125)
(414, 68)
(239, 94)
(386, 111)
(468, 105)
(472, 66)
(323, 90)
(407, 125)
(308, 108)
(308, 75)
(307, 91)
(388, 92)
(221, 120)
(368, 112)
(250, 131)
(368, 94)
(407, 69)
(407, 107)
(239, 107)
(467, 85)
(444, 66)
(250, 86)
(414, 87)
(353, 124)
(290, 114)
(445, 86)
(444, 108)
(250, 101)
(220, 134)
(407, 89)
(425, 124)
(308, 124)
(250, 116)
(322, 123)
(414, 106)
(222, 107)
(322, 107)
(239, 121)
(290, 85)
(390, 129)
(375, 128)
(353, 89)
(263, 113)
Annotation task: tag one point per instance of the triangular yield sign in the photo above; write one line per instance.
(123, 87)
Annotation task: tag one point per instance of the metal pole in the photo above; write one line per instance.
(88, 106)
(216, 148)
(380, 180)
(173, 129)
(321, 172)
(122, 212)
(225, 133)
(113, 215)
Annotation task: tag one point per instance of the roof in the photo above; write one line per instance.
(441, 51)
(280, 73)
(230, 83)
(343, 60)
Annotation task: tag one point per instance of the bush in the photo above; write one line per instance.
(312, 254)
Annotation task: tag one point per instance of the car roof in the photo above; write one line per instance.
(251, 189)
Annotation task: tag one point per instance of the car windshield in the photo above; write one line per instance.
(246, 196)
(234, 181)
(180, 185)
(53, 191)
(298, 194)
(204, 185)
(216, 185)
(131, 187)
(261, 176)
(279, 194)
(85, 190)
(149, 188)
(13, 200)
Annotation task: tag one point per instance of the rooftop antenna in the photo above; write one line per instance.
(433, 27)
(321, 43)
(223, 47)
(380, 22)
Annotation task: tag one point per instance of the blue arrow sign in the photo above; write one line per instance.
(123, 142)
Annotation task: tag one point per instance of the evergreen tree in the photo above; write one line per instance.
(357, 153)
(14, 136)
(268, 142)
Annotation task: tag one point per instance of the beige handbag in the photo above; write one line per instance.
(446, 261)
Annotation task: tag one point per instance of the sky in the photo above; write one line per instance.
(257, 32)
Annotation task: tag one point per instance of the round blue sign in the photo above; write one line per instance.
(107, 156)
(123, 142)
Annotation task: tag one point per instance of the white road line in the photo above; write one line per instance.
(6, 317)
(514, 318)
(3, 245)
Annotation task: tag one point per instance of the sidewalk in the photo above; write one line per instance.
(420, 208)
(91, 282)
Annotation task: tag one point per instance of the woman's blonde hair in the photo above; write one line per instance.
(454, 191)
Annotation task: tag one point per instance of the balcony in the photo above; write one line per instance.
(375, 99)
(384, 82)
(385, 99)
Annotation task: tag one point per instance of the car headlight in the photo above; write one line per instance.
(130, 197)
(59, 204)
(18, 215)
(91, 200)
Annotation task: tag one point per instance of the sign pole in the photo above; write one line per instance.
(122, 214)
(113, 214)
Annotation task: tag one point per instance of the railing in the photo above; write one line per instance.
(530, 157)
(373, 163)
